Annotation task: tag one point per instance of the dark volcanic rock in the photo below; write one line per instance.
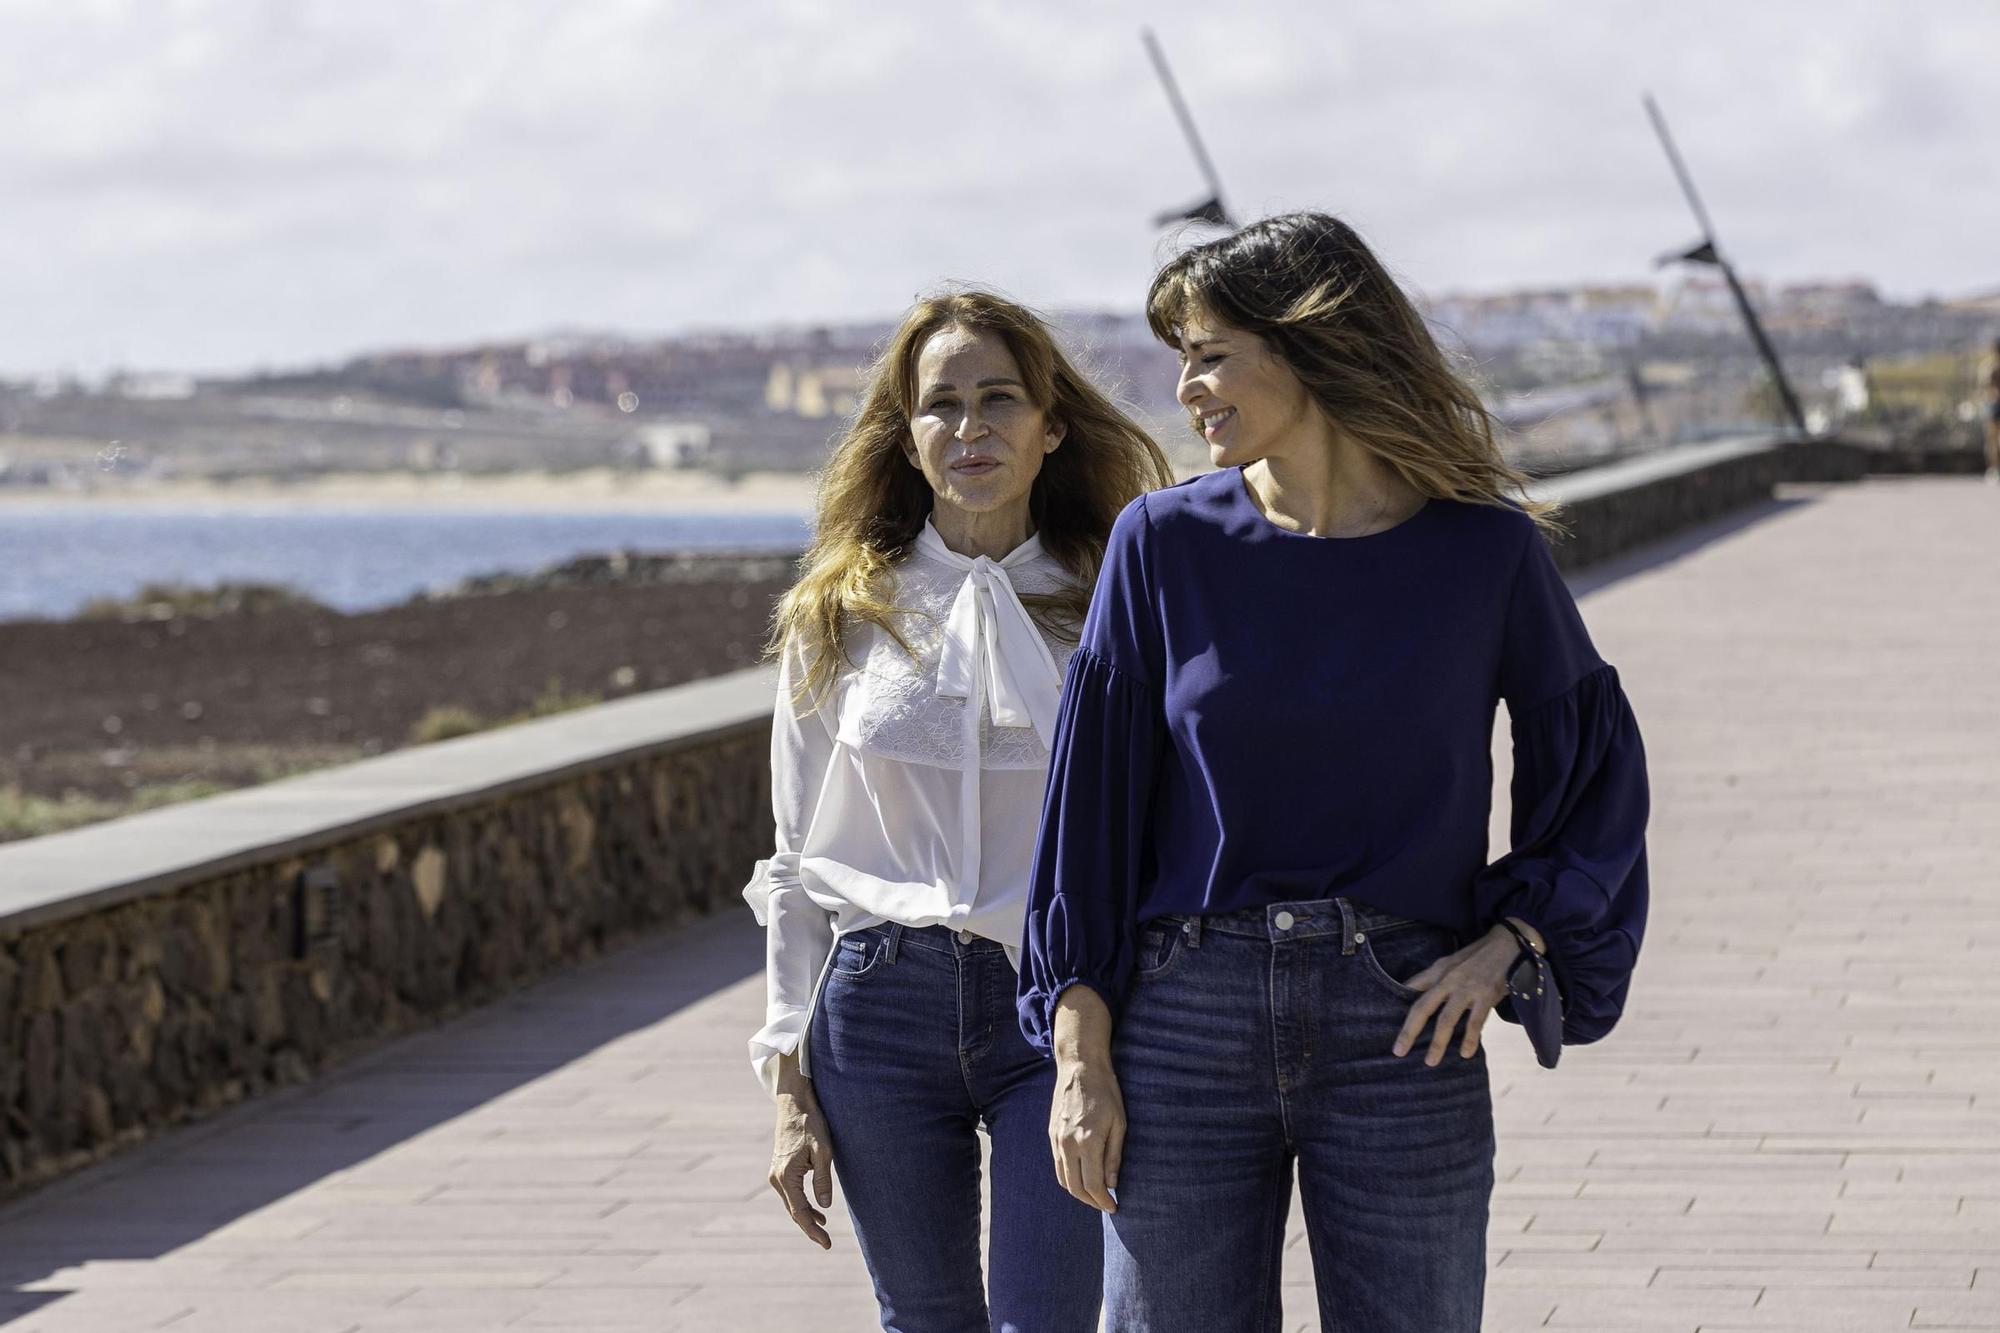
(233, 700)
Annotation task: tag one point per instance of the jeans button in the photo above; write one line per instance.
(965, 937)
(1284, 921)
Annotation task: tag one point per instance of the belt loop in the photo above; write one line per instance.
(1192, 925)
(1348, 926)
(895, 935)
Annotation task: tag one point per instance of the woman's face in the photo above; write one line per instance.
(974, 434)
(1243, 398)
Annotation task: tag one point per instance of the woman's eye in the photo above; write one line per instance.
(1211, 360)
(1002, 397)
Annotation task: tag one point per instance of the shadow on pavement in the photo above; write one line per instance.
(192, 1182)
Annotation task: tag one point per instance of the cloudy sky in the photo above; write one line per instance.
(222, 184)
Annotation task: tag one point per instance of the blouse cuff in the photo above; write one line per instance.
(779, 1037)
(1577, 873)
(1037, 1008)
(798, 935)
(769, 876)
(1065, 956)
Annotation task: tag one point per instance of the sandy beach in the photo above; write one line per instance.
(592, 489)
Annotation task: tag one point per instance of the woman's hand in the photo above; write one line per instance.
(802, 1147)
(1467, 985)
(1087, 1114)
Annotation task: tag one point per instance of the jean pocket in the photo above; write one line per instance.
(1161, 944)
(1396, 951)
(858, 954)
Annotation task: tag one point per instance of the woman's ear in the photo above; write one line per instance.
(1053, 435)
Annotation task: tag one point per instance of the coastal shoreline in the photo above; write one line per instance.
(582, 491)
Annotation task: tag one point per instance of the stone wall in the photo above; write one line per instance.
(1623, 506)
(121, 1020)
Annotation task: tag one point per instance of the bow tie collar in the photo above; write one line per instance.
(990, 638)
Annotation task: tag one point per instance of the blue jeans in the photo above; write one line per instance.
(1255, 1040)
(915, 1045)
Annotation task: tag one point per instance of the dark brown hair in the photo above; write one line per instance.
(1309, 287)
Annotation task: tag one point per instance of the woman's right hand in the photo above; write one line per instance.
(801, 1147)
(1087, 1114)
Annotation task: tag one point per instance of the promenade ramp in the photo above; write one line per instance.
(1797, 1126)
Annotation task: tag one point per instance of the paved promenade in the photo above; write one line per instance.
(1797, 1126)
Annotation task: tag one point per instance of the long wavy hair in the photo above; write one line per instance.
(1309, 286)
(872, 502)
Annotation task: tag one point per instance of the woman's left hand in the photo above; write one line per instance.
(1463, 985)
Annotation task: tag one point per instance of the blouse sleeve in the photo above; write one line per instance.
(1577, 868)
(1110, 730)
(798, 933)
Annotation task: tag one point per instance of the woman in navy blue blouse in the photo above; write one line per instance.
(1262, 932)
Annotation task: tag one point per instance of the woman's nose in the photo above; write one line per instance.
(970, 427)
(1188, 388)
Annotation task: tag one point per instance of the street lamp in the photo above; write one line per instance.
(1211, 209)
(1705, 251)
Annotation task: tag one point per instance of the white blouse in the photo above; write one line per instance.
(913, 794)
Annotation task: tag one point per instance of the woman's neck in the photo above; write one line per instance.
(993, 533)
(1330, 488)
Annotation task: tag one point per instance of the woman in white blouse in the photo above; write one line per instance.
(961, 522)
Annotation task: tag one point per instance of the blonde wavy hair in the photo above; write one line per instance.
(872, 502)
(1309, 286)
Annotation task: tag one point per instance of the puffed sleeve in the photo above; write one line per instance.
(1108, 738)
(798, 933)
(1576, 870)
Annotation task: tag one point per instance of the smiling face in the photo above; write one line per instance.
(1243, 399)
(975, 434)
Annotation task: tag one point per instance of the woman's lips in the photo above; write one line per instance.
(976, 467)
(1213, 422)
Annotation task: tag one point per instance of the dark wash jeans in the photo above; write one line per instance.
(915, 1045)
(1255, 1040)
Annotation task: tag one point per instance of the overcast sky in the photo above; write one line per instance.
(222, 184)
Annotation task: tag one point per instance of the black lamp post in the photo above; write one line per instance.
(1211, 209)
(1706, 251)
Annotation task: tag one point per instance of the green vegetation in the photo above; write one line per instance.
(444, 722)
(1933, 385)
(1935, 401)
(448, 720)
(168, 601)
(553, 699)
(25, 815)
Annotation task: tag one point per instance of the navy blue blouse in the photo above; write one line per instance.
(1257, 716)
